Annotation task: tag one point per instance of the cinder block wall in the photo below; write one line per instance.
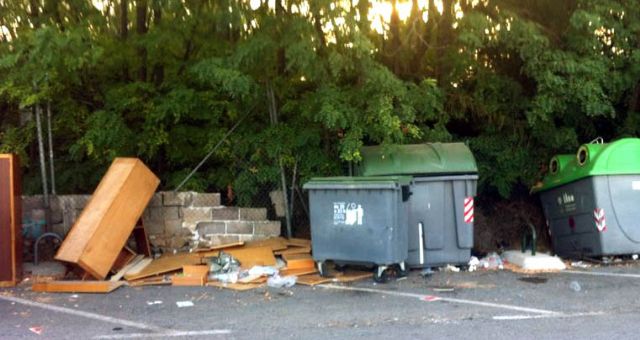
(173, 220)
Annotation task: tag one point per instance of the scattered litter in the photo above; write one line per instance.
(37, 329)
(223, 263)
(634, 257)
(226, 277)
(575, 286)
(116, 328)
(450, 268)
(491, 261)
(473, 263)
(156, 302)
(263, 270)
(443, 289)
(184, 303)
(580, 264)
(73, 296)
(277, 281)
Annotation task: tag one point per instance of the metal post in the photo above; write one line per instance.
(43, 170)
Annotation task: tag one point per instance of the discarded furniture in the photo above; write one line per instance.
(102, 229)
(10, 221)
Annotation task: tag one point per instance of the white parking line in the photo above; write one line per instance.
(163, 335)
(580, 272)
(84, 314)
(160, 332)
(543, 316)
(430, 298)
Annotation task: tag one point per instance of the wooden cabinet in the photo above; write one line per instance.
(10, 221)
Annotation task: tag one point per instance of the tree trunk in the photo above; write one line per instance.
(158, 67)
(141, 29)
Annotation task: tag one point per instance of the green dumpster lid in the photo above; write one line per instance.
(417, 159)
(621, 157)
(359, 181)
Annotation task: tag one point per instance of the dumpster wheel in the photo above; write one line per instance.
(323, 270)
(381, 274)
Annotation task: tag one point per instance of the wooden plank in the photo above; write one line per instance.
(235, 286)
(249, 257)
(298, 272)
(275, 243)
(351, 276)
(293, 251)
(191, 281)
(165, 264)
(109, 217)
(299, 261)
(117, 276)
(298, 242)
(76, 286)
(138, 267)
(312, 280)
(10, 221)
(151, 281)
(220, 247)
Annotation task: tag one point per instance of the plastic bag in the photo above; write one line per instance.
(277, 281)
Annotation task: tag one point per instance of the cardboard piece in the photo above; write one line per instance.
(222, 246)
(293, 251)
(76, 286)
(108, 219)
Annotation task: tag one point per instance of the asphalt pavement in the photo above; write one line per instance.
(593, 303)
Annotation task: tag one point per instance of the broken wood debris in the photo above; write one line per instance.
(194, 269)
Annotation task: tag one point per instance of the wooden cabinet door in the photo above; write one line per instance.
(10, 221)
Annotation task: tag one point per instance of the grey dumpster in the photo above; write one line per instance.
(591, 200)
(442, 206)
(359, 220)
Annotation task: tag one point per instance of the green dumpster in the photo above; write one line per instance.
(441, 211)
(590, 200)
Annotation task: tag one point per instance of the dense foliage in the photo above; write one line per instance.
(311, 82)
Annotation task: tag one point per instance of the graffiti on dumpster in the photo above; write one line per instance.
(347, 213)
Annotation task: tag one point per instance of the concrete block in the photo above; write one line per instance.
(156, 200)
(226, 214)
(153, 213)
(253, 214)
(173, 226)
(270, 228)
(210, 228)
(171, 213)
(217, 240)
(195, 215)
(180, 199)
(239, 227)
(248, 238)
(154, 227)
(205, 199)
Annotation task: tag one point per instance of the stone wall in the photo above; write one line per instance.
(174, 221)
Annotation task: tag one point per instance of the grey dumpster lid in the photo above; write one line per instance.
(363, 182)
(417, 159)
